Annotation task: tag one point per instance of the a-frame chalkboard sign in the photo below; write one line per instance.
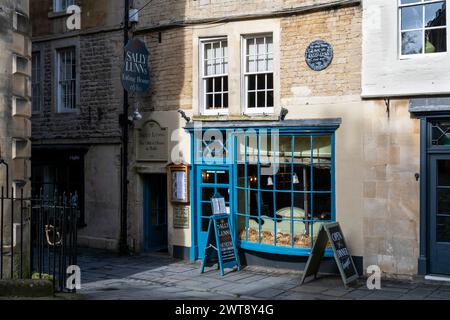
(220, 246)
(331, 232)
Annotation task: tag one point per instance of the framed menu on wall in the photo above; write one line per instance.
(179, 183)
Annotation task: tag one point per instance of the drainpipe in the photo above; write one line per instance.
(123, 245)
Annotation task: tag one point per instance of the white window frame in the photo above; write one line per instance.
(399, 29)
(203, 77)
(59, 7)
(245, 74)
(59, 103)
(36, 81)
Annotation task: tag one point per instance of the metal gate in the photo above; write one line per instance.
(38, 237)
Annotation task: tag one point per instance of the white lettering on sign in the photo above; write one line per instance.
(336, 236)
(136, 62)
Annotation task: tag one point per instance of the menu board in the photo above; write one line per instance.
(331, 232)
(226, 245)
(220, 246)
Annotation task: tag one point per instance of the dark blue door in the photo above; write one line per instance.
(155, 212)
(440, 214)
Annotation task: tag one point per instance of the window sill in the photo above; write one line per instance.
(56, 15)
(227, 117)
(422, 56)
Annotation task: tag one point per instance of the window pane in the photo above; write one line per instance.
(441, 133)
(270, 99)
(261, 81)
(251, 82)
(209, 101)
(302, 152)
(409, 1)
(261, 102)
(285, 148)
(444, 173)
(218, 101)
(251, 47)
(443, 201)
(209, 84)
(225, 83)
(443, 229)
(322, 149)
(435, 14)
(270, 81)
(412, 17)
(218, 84)
(322, 177)
(322, 206)
(412, 42)
(301, 178)
(435, 40)
(251, 100)
(284, 177)
(225, 100)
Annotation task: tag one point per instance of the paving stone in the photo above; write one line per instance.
(357, 294)
(336, 292)
(268, 293)
(309, 289)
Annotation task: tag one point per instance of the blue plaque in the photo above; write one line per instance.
(319, 55)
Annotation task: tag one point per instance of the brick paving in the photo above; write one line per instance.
(107, 276)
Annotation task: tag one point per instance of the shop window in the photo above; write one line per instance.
(62, 5)
(423, 27)
(66, 80)
(36, 81)
(258, 74)
(214, 76)
(285, 188)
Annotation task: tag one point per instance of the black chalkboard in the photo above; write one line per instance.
(331, 232)
(220, 246)
(225, 241)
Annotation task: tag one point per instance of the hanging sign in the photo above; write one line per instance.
(135, 72)
(331, 232)
(318, 55)
(220, 246)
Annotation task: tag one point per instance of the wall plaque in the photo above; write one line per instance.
(181, 217)
(319, 55)
(152, 142)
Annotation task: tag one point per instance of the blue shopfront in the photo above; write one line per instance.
(277, 178)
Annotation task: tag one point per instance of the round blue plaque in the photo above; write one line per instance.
(318, 55)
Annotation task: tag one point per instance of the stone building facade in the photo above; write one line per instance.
(376, 148)
(15, 127)
(76, 133)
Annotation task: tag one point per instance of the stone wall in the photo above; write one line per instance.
(99, 92)
(163, 12)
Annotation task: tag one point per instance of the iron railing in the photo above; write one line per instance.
(38, 237)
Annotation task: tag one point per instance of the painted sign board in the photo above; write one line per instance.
(331, 232)
(220, 245)
(135, 72)
(319, 55)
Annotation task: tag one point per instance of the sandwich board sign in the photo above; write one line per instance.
(220, 246)
(331, 232)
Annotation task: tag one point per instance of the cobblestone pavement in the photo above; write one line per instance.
(107, 276)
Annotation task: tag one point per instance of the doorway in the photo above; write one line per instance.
(155, 212)
(439, 191)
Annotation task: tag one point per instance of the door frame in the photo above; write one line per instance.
(426, 152)
(198, 199)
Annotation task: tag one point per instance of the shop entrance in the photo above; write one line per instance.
(211, 180)
(155, 212)
(439, 191)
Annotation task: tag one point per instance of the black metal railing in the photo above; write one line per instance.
(38, 237)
